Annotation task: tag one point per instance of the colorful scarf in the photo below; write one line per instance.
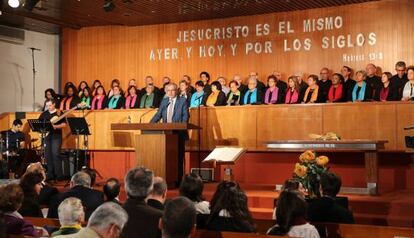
(292, 97)
(130, 101)
(273, 98)
(314, 97)
(252, 95)
(361, 94)
(113, 102)
(100, 102)
(196, 99)
(337, 95)
(147, 101)
(231, 101)
(65, 104)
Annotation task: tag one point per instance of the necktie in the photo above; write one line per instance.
(170, 111)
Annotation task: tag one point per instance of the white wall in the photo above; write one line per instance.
(16, 81)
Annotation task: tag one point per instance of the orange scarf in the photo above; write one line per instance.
(314, 97)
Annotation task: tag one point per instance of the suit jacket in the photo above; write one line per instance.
(282, 85)
(155, 204)
(46, 194)
(142, 220)
(218, 223)
(180, 114)
(326, 209)
(91, 199)
(393, 94)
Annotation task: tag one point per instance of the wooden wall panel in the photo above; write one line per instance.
(405, 117)
(123, 52)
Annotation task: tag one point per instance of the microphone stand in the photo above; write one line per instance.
(34, 77)
(199, 135)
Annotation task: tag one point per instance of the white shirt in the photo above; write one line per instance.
(170, 109)
(202, 207)
(306, 231)
(408, 90)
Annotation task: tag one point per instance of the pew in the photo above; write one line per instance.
(216, 234)
(41, 222)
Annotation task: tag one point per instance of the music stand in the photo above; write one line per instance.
(78, 126)
(43, 127)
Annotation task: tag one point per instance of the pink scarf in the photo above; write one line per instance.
(128, 101)
(100, 101)
(291, 97)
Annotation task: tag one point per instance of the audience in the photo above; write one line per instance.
(31, 184)
(178, 220)
(71, 216)
(291, 217)
(47, 192)
(192, 187)
(111, 190)
(229, 210)
(2, 225)
(233, 98)
(143, 219)
(106, 221)
(326, 209)
(80, 187)
(291, 185)
(156, 198)
(408, 91)
(272, 91)
(216, 96)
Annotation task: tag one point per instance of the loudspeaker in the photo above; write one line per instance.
(206, 174)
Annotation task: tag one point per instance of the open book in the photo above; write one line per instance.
(226, 155)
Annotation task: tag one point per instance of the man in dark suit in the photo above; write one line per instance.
(111, 190)
(158, 194)
(174, 109)
(143, 220)
(327, 209)
(80, 187)
(179, 219)
(282, 85)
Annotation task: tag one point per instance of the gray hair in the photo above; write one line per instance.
(159, 187)
(362, 72)
(70, 211)
(82, 179)
(252, 79)
(106, 215)
(139, 182)
(171, 85)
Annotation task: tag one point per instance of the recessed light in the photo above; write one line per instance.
(14, 3)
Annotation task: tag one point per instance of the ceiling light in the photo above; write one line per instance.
(14, 3)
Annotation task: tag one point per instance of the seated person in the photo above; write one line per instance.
(192, 187)
(290, 185)
(111, 190)
(80, 187)
(312, 94)
(178, 219)
(31, 183)
(216, 96)
(10, 202)
(99, 101)
(132, 100)
(361, 91)
(197, 97)
(71, 216)
(335, 93)
(149, 98)
(47, 192)
(272, 92)
(291, 217)
(326, 209)
(116, 101)
(253, 95)
(292, 92)
(70, 98)
(158, 194)
(408, 90)
(229, 210)
(386, 92)
(233, 98)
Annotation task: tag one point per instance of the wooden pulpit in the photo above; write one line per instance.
(156, 147)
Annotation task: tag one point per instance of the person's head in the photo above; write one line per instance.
(400, 67)
(183, 86)
(386, 77)
(139, 182)
(149, 89)
(36, 168)
(371, 70)
(166, 80)
(108, 220)
(410, 73)
(291, 209)
(278, 75)
(70, 90)
(132, 82)
(149, 80)
(115, 83)
(230, 197)
(205, 77)
(132, 90)
(192, 187)
(86, 92)
(294, 185)
(360, 76)
(80, 179)
(100, 90)
(179, 218)
(199, 86)
(346, 72)
(337, 79)
(312, 80)
(254, 75)
(11, 198)
(82, 85)
(271, 81)
(252, 83)
(159, 190)
(330, 184)
(299, 76)
(70, 212)
(17, 125)
(171, 90)
(222, 80)
(51, 105)
(234, 86)
(238, 78)
(96, 83)
(111, 189)
(187, 79)
(116, 90)
(31, 183)
(91, 172)
(216, 86)
(324, 74)
(293, 82)
(50, 93)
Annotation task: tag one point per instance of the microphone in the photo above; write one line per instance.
(145, 113)
(32, 48)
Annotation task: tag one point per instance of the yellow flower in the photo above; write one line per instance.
(322, 160)
(307, 156)
(300, 170)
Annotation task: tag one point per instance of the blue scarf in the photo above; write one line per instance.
(361, 94)
(253, 97)
(196, 99)
(113, 102)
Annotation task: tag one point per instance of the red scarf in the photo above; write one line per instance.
(291, 97)
(338, 93)
(128, 101)
(384, 93)
(100, 101)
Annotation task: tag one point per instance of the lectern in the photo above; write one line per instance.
(156, 147)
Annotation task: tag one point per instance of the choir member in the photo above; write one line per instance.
(222, 80)
(114, 83)
(95, 85)
(272, 92)
(281, 85)
(100, 100)
(149, 98)
(132, 100)
(233, 98)
(387, 91)
(293, 94)
(372, 79)
(312, 94)
(362, 91)
(205, 77)
(242, 86)
(197, 97)
(70, 98)
(86, 97)
(253, 95)
(132, 82)
(302, 86)
(50, 94)
(348, 82)
(149, 80)
(184, 91)
(81, 86)
(336, 90)
(399, 80)
(408, 90)
(216, 97)
(324, 84)
(116, 101)
(188, 80)
(260, 85)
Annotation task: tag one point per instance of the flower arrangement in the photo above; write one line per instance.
(309, 170)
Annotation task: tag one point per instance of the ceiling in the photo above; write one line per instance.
(50, 15)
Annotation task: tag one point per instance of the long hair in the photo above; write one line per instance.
(295, 82)
(52, 92)
(192, 187)
(80, 89)
(75, 91)
(28, 183)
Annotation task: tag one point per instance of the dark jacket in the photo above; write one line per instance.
(260, 97)
(221, 99)
(142, 220)
(180, 114)
(218, 223)
(324, 90)
(119, 104)
(393, 94)
(155, 204)
(31, 207)
(282, 85)
(326, 209)
(46, 194)
(348, 86)
(91, 199)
